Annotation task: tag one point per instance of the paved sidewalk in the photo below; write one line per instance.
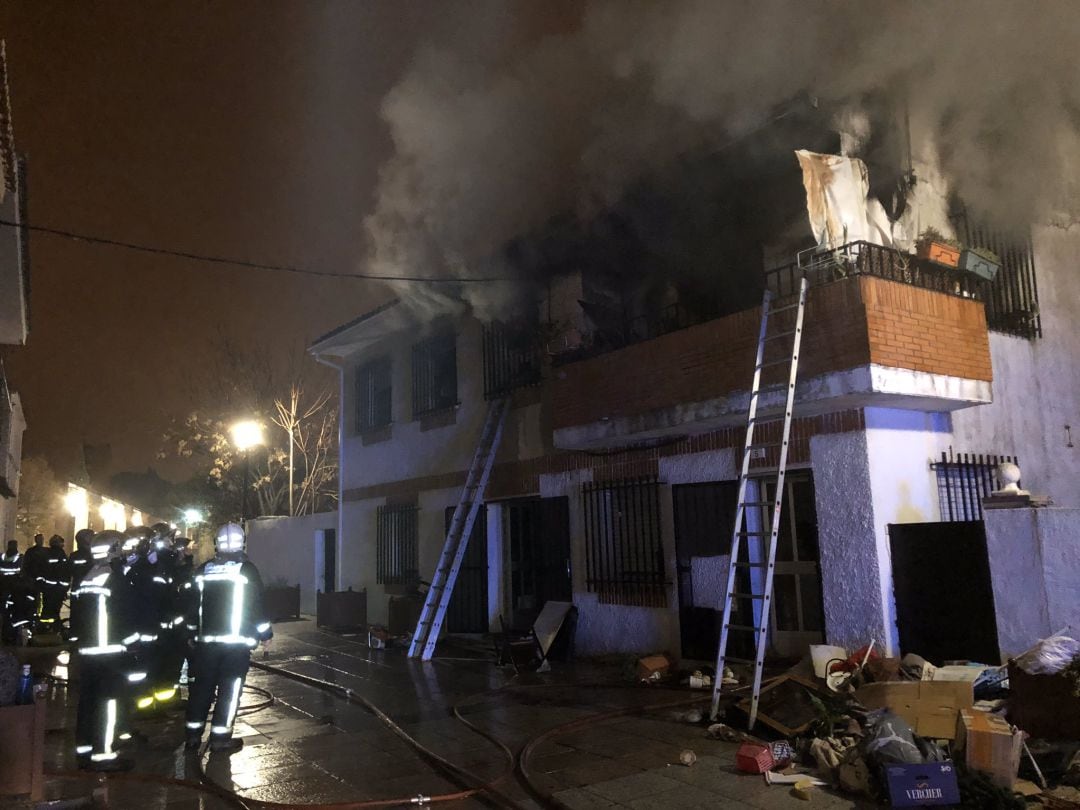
(313, 747)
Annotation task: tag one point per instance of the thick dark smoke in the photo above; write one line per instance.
(491, 147)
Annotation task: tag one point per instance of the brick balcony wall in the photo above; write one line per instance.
(849, 323)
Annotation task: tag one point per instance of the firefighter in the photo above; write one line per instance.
(172, 635)
(148, 590)
(81, 560)
(17, 596)
(228, 621)
(54, 584)
(102, 627)
(34, 568)
(184, 593)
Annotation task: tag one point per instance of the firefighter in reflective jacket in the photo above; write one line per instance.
(18, 599)
(54, 584)
(153, 593)
(103, 615)
(81, 560)
(228, 621)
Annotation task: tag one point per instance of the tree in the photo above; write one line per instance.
(40, 499)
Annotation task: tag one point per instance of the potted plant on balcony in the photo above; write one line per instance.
(982, 262)
(935, 247)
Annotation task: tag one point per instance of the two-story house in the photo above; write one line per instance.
(614, 484)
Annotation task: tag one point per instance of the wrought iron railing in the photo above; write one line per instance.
(624, 559)
(396, 552)
(512, 359)
(434, 374)
(963, 480)
(823, 265)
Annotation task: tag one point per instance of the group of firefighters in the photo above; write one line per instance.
(138, 610)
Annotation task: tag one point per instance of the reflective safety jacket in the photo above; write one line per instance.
(227, 604)
(153, 590)
(79, 564)
(103, 612)
(10, 567)
(34, 562)
(55, 568)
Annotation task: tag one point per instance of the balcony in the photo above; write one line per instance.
(882, 329)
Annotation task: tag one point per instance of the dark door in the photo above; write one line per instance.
(704, 519)
(944, 600)
(468, 609)
(329, 560)
(539, 555)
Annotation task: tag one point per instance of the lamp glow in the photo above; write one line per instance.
(75, 502)
(246, 434)
(192, 516)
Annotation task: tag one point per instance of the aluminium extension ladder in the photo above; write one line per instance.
(764, 534)
(438, 596)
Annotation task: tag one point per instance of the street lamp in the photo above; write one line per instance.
(245, 435)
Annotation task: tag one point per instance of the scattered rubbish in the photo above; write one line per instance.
(729, 678)
(785, 705)
(989, 744)
(700, 681)
(1045, 706)
(1050, 656)
(919, 784)
(754, 758)
(687, 758)
(782, 753)
(930, 707)
(1026, 788)
(917, 668)
(959, 672)
(379, 637)
(653, 667)
(803, 789)
(693, 716)
(829, 752)
(882, 669)
(1034, 765)
(774, 778)
(823, 654)
(722, 731)
(853, 775)
(890, 740)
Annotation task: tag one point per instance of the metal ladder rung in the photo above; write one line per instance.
(759, 503)
(780, 335)
(741, 564)
(769, 363)
(784, 308)
(737, 595)
(763, 445)
(733, 660)
(753, 534)
(746, 628)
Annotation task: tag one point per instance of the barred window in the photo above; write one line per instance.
(434, 374)
(624, 550)
(963, 480)
(397, 561)
(373, 395)
(1012, 298)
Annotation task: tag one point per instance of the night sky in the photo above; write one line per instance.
(243, 129)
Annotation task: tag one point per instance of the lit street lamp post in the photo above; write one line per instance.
(245, 435)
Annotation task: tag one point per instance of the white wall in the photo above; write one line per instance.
(1034, 560)
(11, 442)
(287, 550)
(1037, 382)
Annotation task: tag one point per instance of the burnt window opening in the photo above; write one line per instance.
(963, 480)
(624, 549)
(434, 374)
(396, 553)
(374, 395)
(512, 357)
(1012, 298)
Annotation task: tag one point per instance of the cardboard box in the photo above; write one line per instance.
(989, 744)
(22, 741)
(653, 667)
(927, 783)
(930, 707)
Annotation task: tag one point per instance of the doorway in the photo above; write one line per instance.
(704, 517)
(468, 608)
(326, 560)
(537, 531)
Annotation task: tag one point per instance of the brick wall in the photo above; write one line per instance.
(849, 323)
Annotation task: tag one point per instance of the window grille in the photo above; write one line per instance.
(1012, 299)
(434, 374)
(373, 395)
(511, 359)
(963, 480)
(624, 549)
(397, 561)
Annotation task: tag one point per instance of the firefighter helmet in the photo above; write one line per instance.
(230, 539)
(162, 534)
(83, 537)
(106, 544)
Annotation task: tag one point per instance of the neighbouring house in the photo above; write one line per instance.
(614, 484)
(14, 304)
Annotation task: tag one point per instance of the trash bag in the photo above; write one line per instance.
(889, 740)
(1050, 656)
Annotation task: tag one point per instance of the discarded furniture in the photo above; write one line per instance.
(785, 705)
(22, 739)
(282, 602)
(341, 610)
(1044, 705)
(531, 649)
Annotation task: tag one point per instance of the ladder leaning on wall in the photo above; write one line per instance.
(468, 506)
(764, 535)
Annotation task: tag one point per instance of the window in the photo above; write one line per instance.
(397, 561)
(434, 374)
(373, 395)
(624, 553)
(963, 480)
(512, 358)
(1012, 298)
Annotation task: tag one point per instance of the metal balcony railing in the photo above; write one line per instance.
(823, 265)
(512, 359)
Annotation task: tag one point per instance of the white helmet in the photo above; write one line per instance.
(230, 539)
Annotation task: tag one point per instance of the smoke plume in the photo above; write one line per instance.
(489, 147)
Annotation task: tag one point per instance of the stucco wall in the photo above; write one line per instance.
(1037, 382)
(287, 550)
(1034, 560)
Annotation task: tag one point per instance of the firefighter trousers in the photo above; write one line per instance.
(102, 713)
(219, 671)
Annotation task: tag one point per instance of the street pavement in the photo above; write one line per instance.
(313, 747)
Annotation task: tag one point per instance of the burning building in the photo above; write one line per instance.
(620, 318)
